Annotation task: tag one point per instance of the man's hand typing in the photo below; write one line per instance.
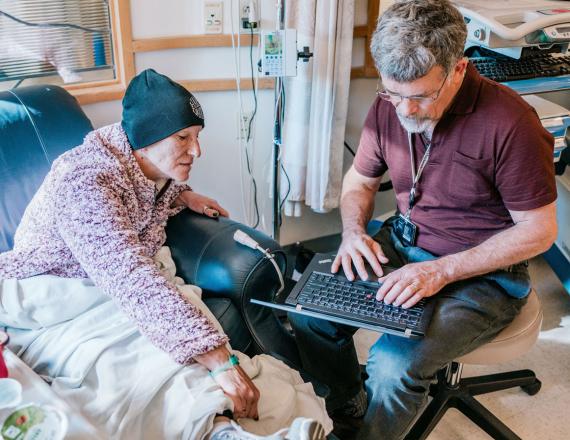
(408, 285)
(356, 248)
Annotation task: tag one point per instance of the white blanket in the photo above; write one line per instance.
(68, 331)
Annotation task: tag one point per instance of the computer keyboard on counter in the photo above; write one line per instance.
(503, 69)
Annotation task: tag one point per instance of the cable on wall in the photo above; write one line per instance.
(253, 88)
(240, 110)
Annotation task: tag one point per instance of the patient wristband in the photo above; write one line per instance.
(232, 362)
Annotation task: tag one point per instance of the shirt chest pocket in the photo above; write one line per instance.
(470, 180)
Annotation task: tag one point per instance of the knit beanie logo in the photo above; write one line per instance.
(196, 107)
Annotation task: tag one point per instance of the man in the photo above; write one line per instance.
(473, 176)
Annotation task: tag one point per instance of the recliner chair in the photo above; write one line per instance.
(39, 123)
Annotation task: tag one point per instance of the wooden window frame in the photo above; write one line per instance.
(124, 61)
(125, 48)
(368, 70)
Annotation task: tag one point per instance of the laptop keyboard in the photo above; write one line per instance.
(343, 297)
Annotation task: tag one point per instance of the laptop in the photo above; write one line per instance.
(332, 297)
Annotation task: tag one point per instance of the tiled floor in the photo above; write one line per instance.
(545, 416)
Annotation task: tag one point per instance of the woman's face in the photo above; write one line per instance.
(172, 157)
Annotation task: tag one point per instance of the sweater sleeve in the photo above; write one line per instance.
(94, 223)
(172, 193)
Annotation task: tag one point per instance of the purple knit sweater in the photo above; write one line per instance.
(95, 216)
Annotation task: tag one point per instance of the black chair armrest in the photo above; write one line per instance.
(206, 254)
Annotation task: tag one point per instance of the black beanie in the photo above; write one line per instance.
(155, 107)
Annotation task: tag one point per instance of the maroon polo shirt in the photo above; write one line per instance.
(490, 154)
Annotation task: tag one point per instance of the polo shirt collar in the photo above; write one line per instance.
(466, 98)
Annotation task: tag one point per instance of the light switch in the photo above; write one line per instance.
(213, 19)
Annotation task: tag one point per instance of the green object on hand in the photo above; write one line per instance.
(228, 365)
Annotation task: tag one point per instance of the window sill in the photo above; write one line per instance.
(90, 93)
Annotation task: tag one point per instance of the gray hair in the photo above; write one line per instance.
(413, 36)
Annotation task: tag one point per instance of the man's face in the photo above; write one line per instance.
(421, 103)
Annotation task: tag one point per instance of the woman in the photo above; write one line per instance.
(100, 215)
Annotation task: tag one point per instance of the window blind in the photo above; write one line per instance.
(47, 37)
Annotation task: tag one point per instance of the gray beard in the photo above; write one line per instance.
(415, 125)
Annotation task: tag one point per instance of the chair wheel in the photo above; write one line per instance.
(533, 388)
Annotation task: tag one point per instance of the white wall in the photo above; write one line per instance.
(218, 173)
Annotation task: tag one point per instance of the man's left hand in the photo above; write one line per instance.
(412, 282)
(202, 204)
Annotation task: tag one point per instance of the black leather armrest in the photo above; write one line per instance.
(206, 255)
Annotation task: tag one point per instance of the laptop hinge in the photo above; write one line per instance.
(408, 332)
(298, 307)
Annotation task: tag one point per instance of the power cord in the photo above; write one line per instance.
(243, 238)
(286, 194)
(255, 204)
(281, 96)
(252, 85)
(241, 127)
(20, 81)
(349, 149)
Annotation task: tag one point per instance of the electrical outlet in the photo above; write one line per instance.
(248, 10)
(213, 20)
(243, 125)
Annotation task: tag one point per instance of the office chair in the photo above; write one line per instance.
(453, 391)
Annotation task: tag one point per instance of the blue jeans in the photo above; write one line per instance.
(467, 314)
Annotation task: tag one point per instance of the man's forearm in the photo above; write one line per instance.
(356, 208)
(516, 244)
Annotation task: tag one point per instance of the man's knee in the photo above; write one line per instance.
(396, 363)
(385, 363)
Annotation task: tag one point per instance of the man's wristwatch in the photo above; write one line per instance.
(232, 362)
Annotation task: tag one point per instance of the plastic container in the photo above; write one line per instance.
(32, 422)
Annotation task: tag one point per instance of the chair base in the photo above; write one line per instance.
(460, 397)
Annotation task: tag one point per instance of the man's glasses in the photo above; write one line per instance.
(421, 100)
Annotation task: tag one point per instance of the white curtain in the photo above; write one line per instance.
(316, 104)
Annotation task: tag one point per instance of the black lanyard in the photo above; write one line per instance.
(416, 175)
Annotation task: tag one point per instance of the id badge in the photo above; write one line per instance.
(406, 230)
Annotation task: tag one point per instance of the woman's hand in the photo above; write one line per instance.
(201, 204)
(235, 383)
(239, 387)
